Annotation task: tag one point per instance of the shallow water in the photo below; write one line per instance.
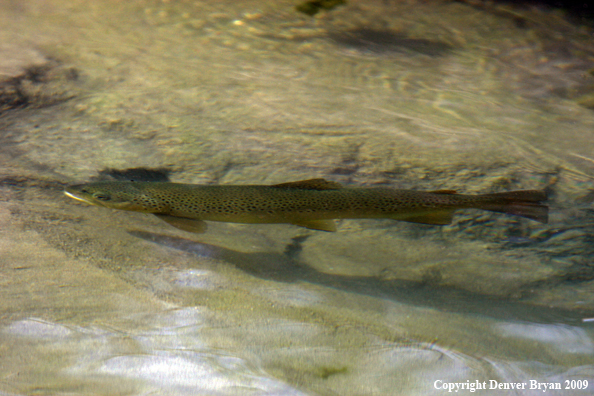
(427, 95)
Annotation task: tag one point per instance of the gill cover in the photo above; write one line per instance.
(116, 195)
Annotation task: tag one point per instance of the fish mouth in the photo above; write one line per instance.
(69, 194)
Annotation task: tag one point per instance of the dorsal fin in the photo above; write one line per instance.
(311, 184)
(443, 192)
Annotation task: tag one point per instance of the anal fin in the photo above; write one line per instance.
(322, 225)
(190, 225)
(441, 217)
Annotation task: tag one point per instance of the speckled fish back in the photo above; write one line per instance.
(221, 202)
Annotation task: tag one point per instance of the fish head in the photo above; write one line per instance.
(116, 195)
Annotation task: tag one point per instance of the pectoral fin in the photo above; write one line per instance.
(190, 225)
(441, 217)
(322, 225)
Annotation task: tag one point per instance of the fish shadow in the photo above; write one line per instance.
(388, 42)
(284, 268)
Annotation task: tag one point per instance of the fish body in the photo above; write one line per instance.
(309, 203)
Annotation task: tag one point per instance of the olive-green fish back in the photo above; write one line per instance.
(309, 203)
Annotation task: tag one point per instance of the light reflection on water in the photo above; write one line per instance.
(181, 358)
(321, 333)
(190, 350)
(563, 338)
(171, 359)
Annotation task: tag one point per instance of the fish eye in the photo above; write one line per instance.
(101, 197)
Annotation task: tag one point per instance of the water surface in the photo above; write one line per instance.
(424, 95)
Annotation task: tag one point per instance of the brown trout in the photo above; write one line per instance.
(311, 203)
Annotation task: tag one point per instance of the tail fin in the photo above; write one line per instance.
(525, 203)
